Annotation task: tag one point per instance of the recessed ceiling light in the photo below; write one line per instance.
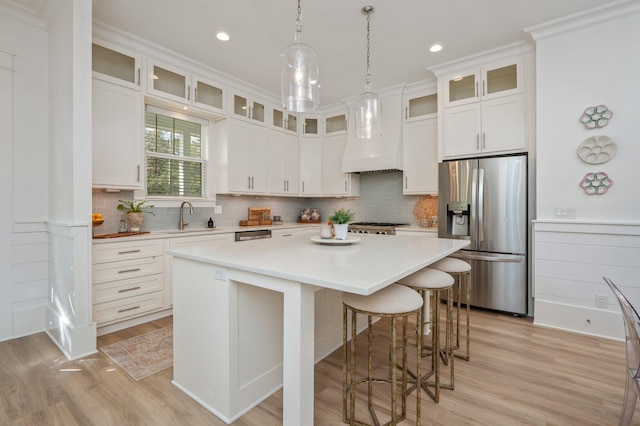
(222, 36)
(435, 48)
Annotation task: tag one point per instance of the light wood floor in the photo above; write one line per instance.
(518, 375)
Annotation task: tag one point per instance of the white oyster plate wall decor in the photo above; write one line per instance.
(597, 183)
(596, 116)
(597, 150)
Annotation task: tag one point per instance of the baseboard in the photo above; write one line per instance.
(74, 342)
(579, 319)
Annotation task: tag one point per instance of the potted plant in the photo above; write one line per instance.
(135, 211)
(340, 221)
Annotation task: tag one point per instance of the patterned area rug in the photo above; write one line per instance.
(143, 355)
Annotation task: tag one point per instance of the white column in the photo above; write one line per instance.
(298, 355)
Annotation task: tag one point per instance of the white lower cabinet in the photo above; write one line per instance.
(290, 232)
(185, 242)
(128, 280)
(417, 233)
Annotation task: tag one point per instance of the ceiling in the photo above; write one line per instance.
(401, 34)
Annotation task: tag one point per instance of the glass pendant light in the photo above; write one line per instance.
(369, 104)
(299, 76)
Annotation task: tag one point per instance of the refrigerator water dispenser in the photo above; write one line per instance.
(458, 219)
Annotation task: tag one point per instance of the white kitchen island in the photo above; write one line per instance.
(244, 313)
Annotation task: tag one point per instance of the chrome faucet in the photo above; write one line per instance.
(182, 223)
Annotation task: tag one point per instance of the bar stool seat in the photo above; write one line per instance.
(427, 282)
(461, 272)
(393, 302)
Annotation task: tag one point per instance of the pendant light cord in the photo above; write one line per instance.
(299, 19)
(368, 42)
(368, 10)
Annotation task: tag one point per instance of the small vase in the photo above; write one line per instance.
(341, 230)
(135, 220)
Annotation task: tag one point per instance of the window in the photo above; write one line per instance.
(174, 145)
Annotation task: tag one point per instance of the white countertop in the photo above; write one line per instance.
(194, 232)
(362, 268)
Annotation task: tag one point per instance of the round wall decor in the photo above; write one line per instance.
(597, 150)
(596, 116)
(597, 183)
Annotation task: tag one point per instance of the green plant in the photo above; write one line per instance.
(135, 207)
(342, 216)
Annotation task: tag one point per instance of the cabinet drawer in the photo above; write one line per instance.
(111, 252)
(131, 307)
(115, 271)
(115, 290)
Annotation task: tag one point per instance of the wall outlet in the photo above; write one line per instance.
(221, 274)
(217, 210)
(601, 300)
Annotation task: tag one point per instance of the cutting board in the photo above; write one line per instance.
(259, 213)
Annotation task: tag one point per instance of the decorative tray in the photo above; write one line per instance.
(333, 241)
(425, 208)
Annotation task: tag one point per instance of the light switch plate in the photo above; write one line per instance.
(217, 210)
(564, 212)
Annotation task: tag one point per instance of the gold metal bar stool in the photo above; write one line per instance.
(461, 272)
(431, 282)
(393, 302)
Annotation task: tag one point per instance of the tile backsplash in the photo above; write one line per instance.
(380, 199)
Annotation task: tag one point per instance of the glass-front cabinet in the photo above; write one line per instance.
(334, 124)
(310, 126)
(115, 65)
(284, 120)
(488, 82)
(418, 107)
(172, 83)
(248, 108)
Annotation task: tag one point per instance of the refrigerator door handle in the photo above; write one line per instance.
(514, 259)
(480, 205)
(474, 201)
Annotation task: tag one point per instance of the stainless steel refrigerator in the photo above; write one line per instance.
(484, 200)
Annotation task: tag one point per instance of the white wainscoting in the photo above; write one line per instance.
(570, 259)
(29, 287)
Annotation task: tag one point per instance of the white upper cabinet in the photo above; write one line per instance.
(311, 126)
(497, 79)
(420, 144)
(178, 85)
(334, 181)
(335, 124)
(284, 120)
(116, 65)
(420, 106)
(311, 162)
(486, 103)
(117, 117)
(241, 157)
(284, 162)
(246, 107)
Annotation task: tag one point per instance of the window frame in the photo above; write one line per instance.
(204, 159)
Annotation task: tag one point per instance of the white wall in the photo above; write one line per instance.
(584, 61)
(23, 250)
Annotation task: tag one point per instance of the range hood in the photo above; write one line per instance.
(379, 154)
